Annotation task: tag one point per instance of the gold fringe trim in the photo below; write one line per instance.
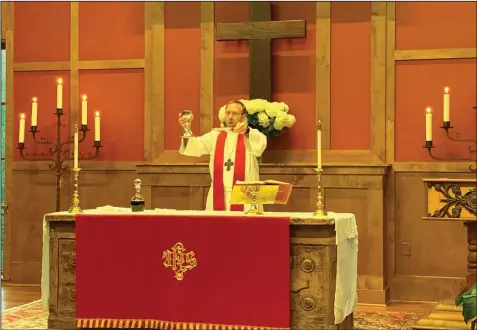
(163, 325)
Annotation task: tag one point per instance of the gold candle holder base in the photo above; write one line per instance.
(75, 208)
(320, 203)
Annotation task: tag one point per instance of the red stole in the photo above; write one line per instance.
(239, 170)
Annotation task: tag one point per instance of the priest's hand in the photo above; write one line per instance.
(240, 128)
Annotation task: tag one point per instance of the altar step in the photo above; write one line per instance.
(446, 315)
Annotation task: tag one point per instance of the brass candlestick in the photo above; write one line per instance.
(75, 208)
(320, 201)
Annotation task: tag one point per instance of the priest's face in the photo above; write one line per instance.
(234, 113)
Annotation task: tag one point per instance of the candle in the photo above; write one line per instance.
(428, 124)
(446, 105)
(97, 134)
(318, 145)
(75, 157)
(84, 111)
(59, 94)
(21, 133)
(34, 112)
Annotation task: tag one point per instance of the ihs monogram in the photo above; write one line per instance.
(178, 260)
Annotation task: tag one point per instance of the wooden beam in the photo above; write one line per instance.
(154, 81)
(378, 79)
(322, 70)
(206, 66)
(41, 66)
(260, 69)
(432, 167)
(434, 54)
(10, 120)
(112, 64)
(261, 30)
(390, 79)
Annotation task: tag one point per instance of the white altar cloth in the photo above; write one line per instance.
(346, 240)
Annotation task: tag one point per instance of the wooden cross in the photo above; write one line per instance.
(229, 163)
(259, 32)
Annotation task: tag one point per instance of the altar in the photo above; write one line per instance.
(322, 253)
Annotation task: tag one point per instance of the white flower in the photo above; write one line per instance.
(254, 106)
(222, 114)
(284, 107)
(290, 120)
(272, 109)
(263, 119)
(279, 122)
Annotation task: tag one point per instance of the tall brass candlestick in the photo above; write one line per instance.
(75, 202)
(320, 203)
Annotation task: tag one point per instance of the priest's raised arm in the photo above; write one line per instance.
(257, 142)
(233, 152)
(198, 146)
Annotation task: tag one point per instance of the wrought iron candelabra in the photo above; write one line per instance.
(59, 151)
(472, 147)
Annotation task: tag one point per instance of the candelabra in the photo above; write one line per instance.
(58, 152)
(472, 147)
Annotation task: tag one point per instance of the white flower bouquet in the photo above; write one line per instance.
(270, 118)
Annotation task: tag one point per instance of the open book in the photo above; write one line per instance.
(272, 192)
(266, 182)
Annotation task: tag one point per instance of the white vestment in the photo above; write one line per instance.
(255, 144)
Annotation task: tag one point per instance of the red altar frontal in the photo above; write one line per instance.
(182, 271)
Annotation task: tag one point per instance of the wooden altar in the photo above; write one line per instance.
(313, 266)
(452, 200)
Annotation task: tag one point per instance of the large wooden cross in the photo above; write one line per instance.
(260, 30)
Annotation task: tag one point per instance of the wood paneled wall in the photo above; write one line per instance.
(386, 195)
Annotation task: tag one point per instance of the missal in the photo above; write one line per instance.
(263, 192)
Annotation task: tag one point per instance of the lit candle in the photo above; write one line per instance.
(97, 134)
(318, 145)
(59, 94)
(446, 105)
(84, 111)
(34, 112)
(75, 157)
(428, 124)
(21, 133)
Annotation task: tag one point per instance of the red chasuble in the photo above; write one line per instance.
(239, 170)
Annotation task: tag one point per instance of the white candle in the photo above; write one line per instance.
(21, 133)
(97, 134)
(318, 145)
(75, 157)
(59, 94)
(34, 112)
(84, 111)
(446, 104)
(428, 124)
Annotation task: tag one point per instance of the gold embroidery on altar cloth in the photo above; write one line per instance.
(179, 260)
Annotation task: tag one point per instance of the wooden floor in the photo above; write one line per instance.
(13, 296)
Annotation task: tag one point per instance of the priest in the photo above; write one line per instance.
(233, 154)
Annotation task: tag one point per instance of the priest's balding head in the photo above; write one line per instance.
(235, 112)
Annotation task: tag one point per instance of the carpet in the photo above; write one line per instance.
(33, 316)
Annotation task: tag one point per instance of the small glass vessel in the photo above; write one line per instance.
(137, 201)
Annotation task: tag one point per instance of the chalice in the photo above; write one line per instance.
(188, 115)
